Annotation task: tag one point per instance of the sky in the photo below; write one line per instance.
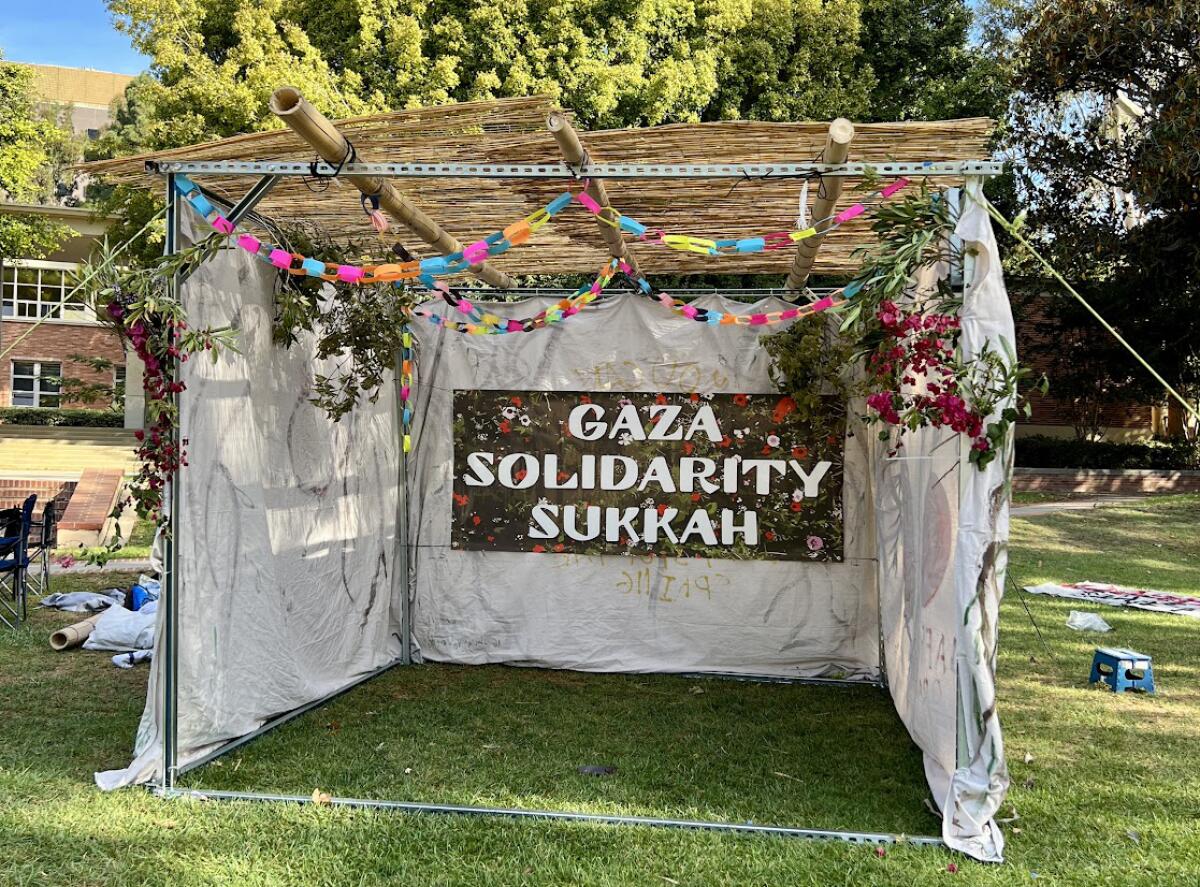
(74, 33)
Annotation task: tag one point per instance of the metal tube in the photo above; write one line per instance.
(169, 725)
(748, 828)
(252, 198)
(559, 170)
(279, 721)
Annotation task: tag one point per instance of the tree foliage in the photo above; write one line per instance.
(615, 62)
(32, 147)
(1107, 121)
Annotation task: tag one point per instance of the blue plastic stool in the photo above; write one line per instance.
(1117, 667)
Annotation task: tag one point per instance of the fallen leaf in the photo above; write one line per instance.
(696, 690)
(407, 770)
(333, 726)
(1134, 836)
(321, 798)
(166, 823)
(785, 775)
(380, 747)
(1028, 758)
(668, 880)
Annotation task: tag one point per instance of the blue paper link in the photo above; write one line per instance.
(633, 226)
(559, 203)
(313, 267)
(750, 245)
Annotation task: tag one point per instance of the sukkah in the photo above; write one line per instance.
(377, 534)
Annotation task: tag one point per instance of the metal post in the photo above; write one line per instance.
(401, 556)
(168, 708)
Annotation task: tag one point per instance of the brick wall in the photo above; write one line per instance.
(1049, 410)
(55, 341)
(1128, 482)
(14, 491)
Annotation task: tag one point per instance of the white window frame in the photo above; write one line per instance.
(37, 377)
(15, 305)
(120, 377)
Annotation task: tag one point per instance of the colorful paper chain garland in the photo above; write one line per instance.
(500, 242)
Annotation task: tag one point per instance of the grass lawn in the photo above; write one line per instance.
(1106, 787)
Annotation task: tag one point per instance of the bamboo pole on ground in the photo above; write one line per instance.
(837, 149)
(74, 635)
(314, 128)
(576, 155)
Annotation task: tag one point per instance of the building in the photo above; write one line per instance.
(33, 289)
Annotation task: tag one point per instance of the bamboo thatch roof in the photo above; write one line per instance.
(514, 131)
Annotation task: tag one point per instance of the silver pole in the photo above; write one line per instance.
(749, 828)
(170, 672)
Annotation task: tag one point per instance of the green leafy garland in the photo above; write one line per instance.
(898, 346)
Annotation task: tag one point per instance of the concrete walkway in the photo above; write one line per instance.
(1042, 508)
(113, 566)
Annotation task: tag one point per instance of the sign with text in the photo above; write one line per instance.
(703, 475)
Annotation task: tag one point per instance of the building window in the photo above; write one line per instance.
(41, 289)
(118, 398)
(36, 383)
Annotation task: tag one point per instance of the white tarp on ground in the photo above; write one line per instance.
(570, 611)
(287, 536)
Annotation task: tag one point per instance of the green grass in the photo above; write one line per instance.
(1019, 498)
(1106, 787)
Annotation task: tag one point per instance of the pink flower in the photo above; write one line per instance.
(815, 543)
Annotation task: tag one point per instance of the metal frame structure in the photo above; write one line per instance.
(270, 173)
(563, 170)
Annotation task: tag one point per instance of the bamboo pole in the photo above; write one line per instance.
(311, 125)
(576, 155)
(837, 149)
(74, 635)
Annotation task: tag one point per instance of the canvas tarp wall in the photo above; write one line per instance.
(568, 611)
(287, 531)
(286, 588)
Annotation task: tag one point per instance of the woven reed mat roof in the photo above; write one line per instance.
(514, 131)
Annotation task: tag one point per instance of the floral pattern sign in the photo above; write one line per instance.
(678, 474)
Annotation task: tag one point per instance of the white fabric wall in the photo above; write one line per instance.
(287, 589)
(943, 534)
(287, 530)
(567, 611)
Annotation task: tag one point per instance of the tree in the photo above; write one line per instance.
(1107, 120)
(614, 62)
(31, 148)
(926, 66)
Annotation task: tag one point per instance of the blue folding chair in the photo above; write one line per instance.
(43, 539)
(15, 524)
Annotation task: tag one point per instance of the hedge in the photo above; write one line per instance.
(72, 418)
(1039, 451)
